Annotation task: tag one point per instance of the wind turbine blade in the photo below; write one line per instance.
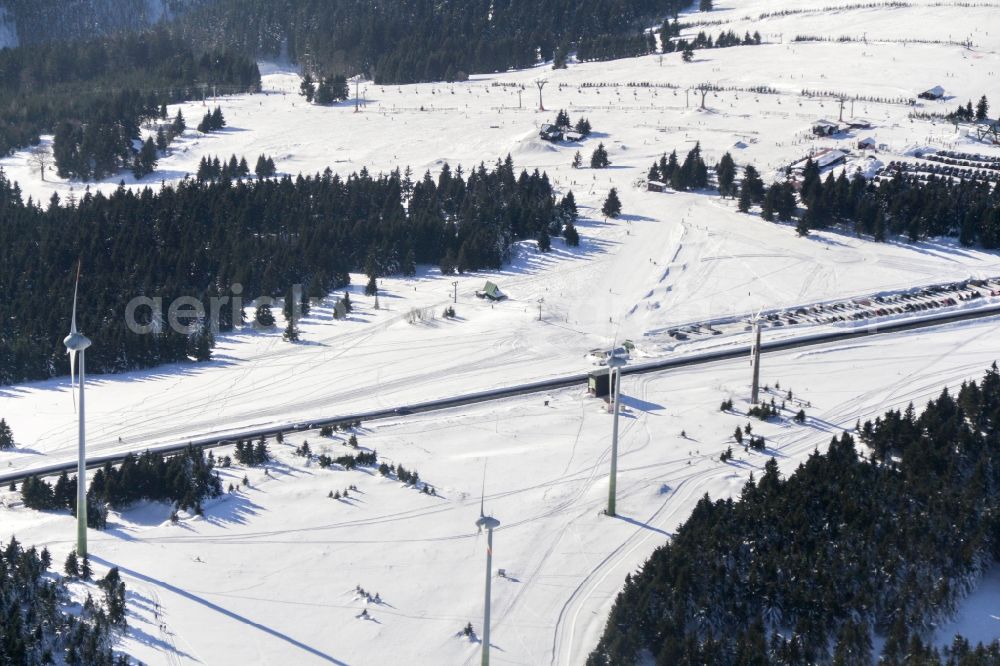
(482, 495)
(76, 289)
(72, 377)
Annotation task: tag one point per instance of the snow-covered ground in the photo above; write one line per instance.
(672, 258)
(250, 570)
(268, 575)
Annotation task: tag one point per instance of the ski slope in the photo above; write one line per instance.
(672, 258)
(268, 574)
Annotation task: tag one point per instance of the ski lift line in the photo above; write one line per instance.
(567, 381)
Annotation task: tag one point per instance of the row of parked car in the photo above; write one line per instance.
(924, 169)
(859, 309)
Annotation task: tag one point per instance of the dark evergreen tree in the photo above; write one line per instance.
(725, 171)
(810, 179)
(752, 185)
(114, 595)
(162, 143)
(291, 333)
(264, 167)
(544, 240)
(785, 203)
(72, 566)
(768, 206)
(560, 57)
(179, 125)
(201, 342)
(568, 207)
(264, 317)
(599, 158)
(612, 207)
(85, 571)
(571, 235)
(409, 267)
(145, 160)
(982, 109)
(745, 202)
(308, 87)
(6, 436)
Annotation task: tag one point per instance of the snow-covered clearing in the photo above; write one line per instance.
(269, 573)
(672, 258)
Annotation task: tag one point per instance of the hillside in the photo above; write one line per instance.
(271, 571)
(672, 258)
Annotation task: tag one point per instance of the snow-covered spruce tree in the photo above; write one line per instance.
(571, 235)
(6, 435)
(291, 333)
(308, 87)
(725, 171)
(145, 160)
(179, 124)
(72, 565)
(982, 109)
(745, 202)
(568, 207)
(612, 207)
(544, 241)
(599, 158)
(263, 316)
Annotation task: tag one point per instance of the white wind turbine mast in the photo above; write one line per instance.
(615, 363)
(755, 357)
(77, 343)
(490, 523)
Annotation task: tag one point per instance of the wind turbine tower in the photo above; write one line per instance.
(755, 347)
(77, 343)
(490, 523)
(615, 364)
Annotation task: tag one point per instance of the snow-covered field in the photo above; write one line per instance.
(268, 575)
(250, 570)
(672, 258)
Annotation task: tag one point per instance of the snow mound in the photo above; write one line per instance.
(533, 146)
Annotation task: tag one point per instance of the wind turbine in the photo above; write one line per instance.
(615, 364)
(755, 358)
(490, 523)
(77, 343)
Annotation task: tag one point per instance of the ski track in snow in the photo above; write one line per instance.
(268, 574)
